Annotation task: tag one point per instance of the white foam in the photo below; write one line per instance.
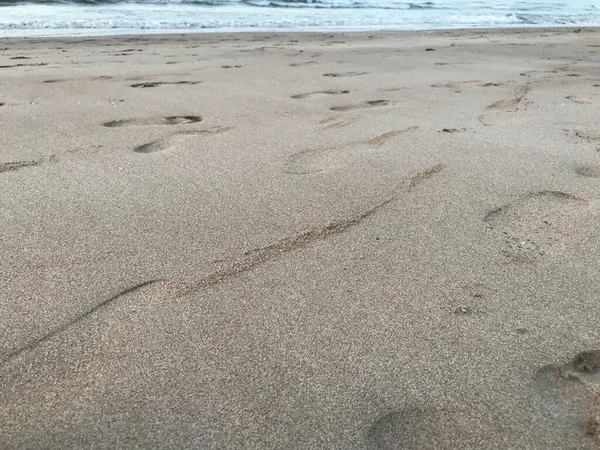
(179, 15)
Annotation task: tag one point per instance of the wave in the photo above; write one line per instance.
(315, 23)
(330, 4)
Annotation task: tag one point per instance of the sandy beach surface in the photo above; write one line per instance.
(301, 241)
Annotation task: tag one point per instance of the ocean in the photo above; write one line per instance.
(92, 17)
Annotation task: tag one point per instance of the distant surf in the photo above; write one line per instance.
(121, 16)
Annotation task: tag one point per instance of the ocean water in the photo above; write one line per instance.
(89, 17)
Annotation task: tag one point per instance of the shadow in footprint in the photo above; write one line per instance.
(175, 141)
(65, 80)
(380, 140)
(369, 104)
(16, 165)
(162, 83)
(306, 63)
(320, 93)
(344, 74)
(169, 120)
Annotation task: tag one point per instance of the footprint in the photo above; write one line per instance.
(509, 104)
(169, 120)
(369, 104)
(306, 63)
(591, 136)
(22, 65)
(378, 141)
(176, 140)
(454, 84)
(413, 428)
(16, 165)
(231, 67)
(162, 83)
(535, 224)
(320, 93)
(333, 122)
(576, 99)
(589, 170)
(344, 74)
(421, 175)
(393, 89)
(314, 161)
(573, 391)
(79, 79)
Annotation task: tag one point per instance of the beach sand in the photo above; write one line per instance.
(301, 241)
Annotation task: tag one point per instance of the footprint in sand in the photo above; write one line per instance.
(162, 83)
(572, 390)
(175, 141)
(578, 100)
(590, 136)
(588, 170)
(306, 63)
(454, 84)
(325, 159)
(314, 161)
(335, 122)
(536, 224)
(369, 104)
(169, 120)
(380, 140)
(320, 93)
(509, 104)
(16, 165)
(344, 74)
(412, 428)
(65, 80)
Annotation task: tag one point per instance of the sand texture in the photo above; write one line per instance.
(301, 241)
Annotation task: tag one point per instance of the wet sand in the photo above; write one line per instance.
(298, 241)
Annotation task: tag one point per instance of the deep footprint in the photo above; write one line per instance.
(369, 104)
(380, 140)
(16, 165)
(162, 83)
(316, 93)
(169, 120)
(344, 74)
(175, 141)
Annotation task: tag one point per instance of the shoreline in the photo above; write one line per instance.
(517, 29)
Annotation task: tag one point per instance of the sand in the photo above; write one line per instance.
(300, 241)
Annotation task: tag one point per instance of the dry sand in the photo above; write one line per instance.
(282, 241)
